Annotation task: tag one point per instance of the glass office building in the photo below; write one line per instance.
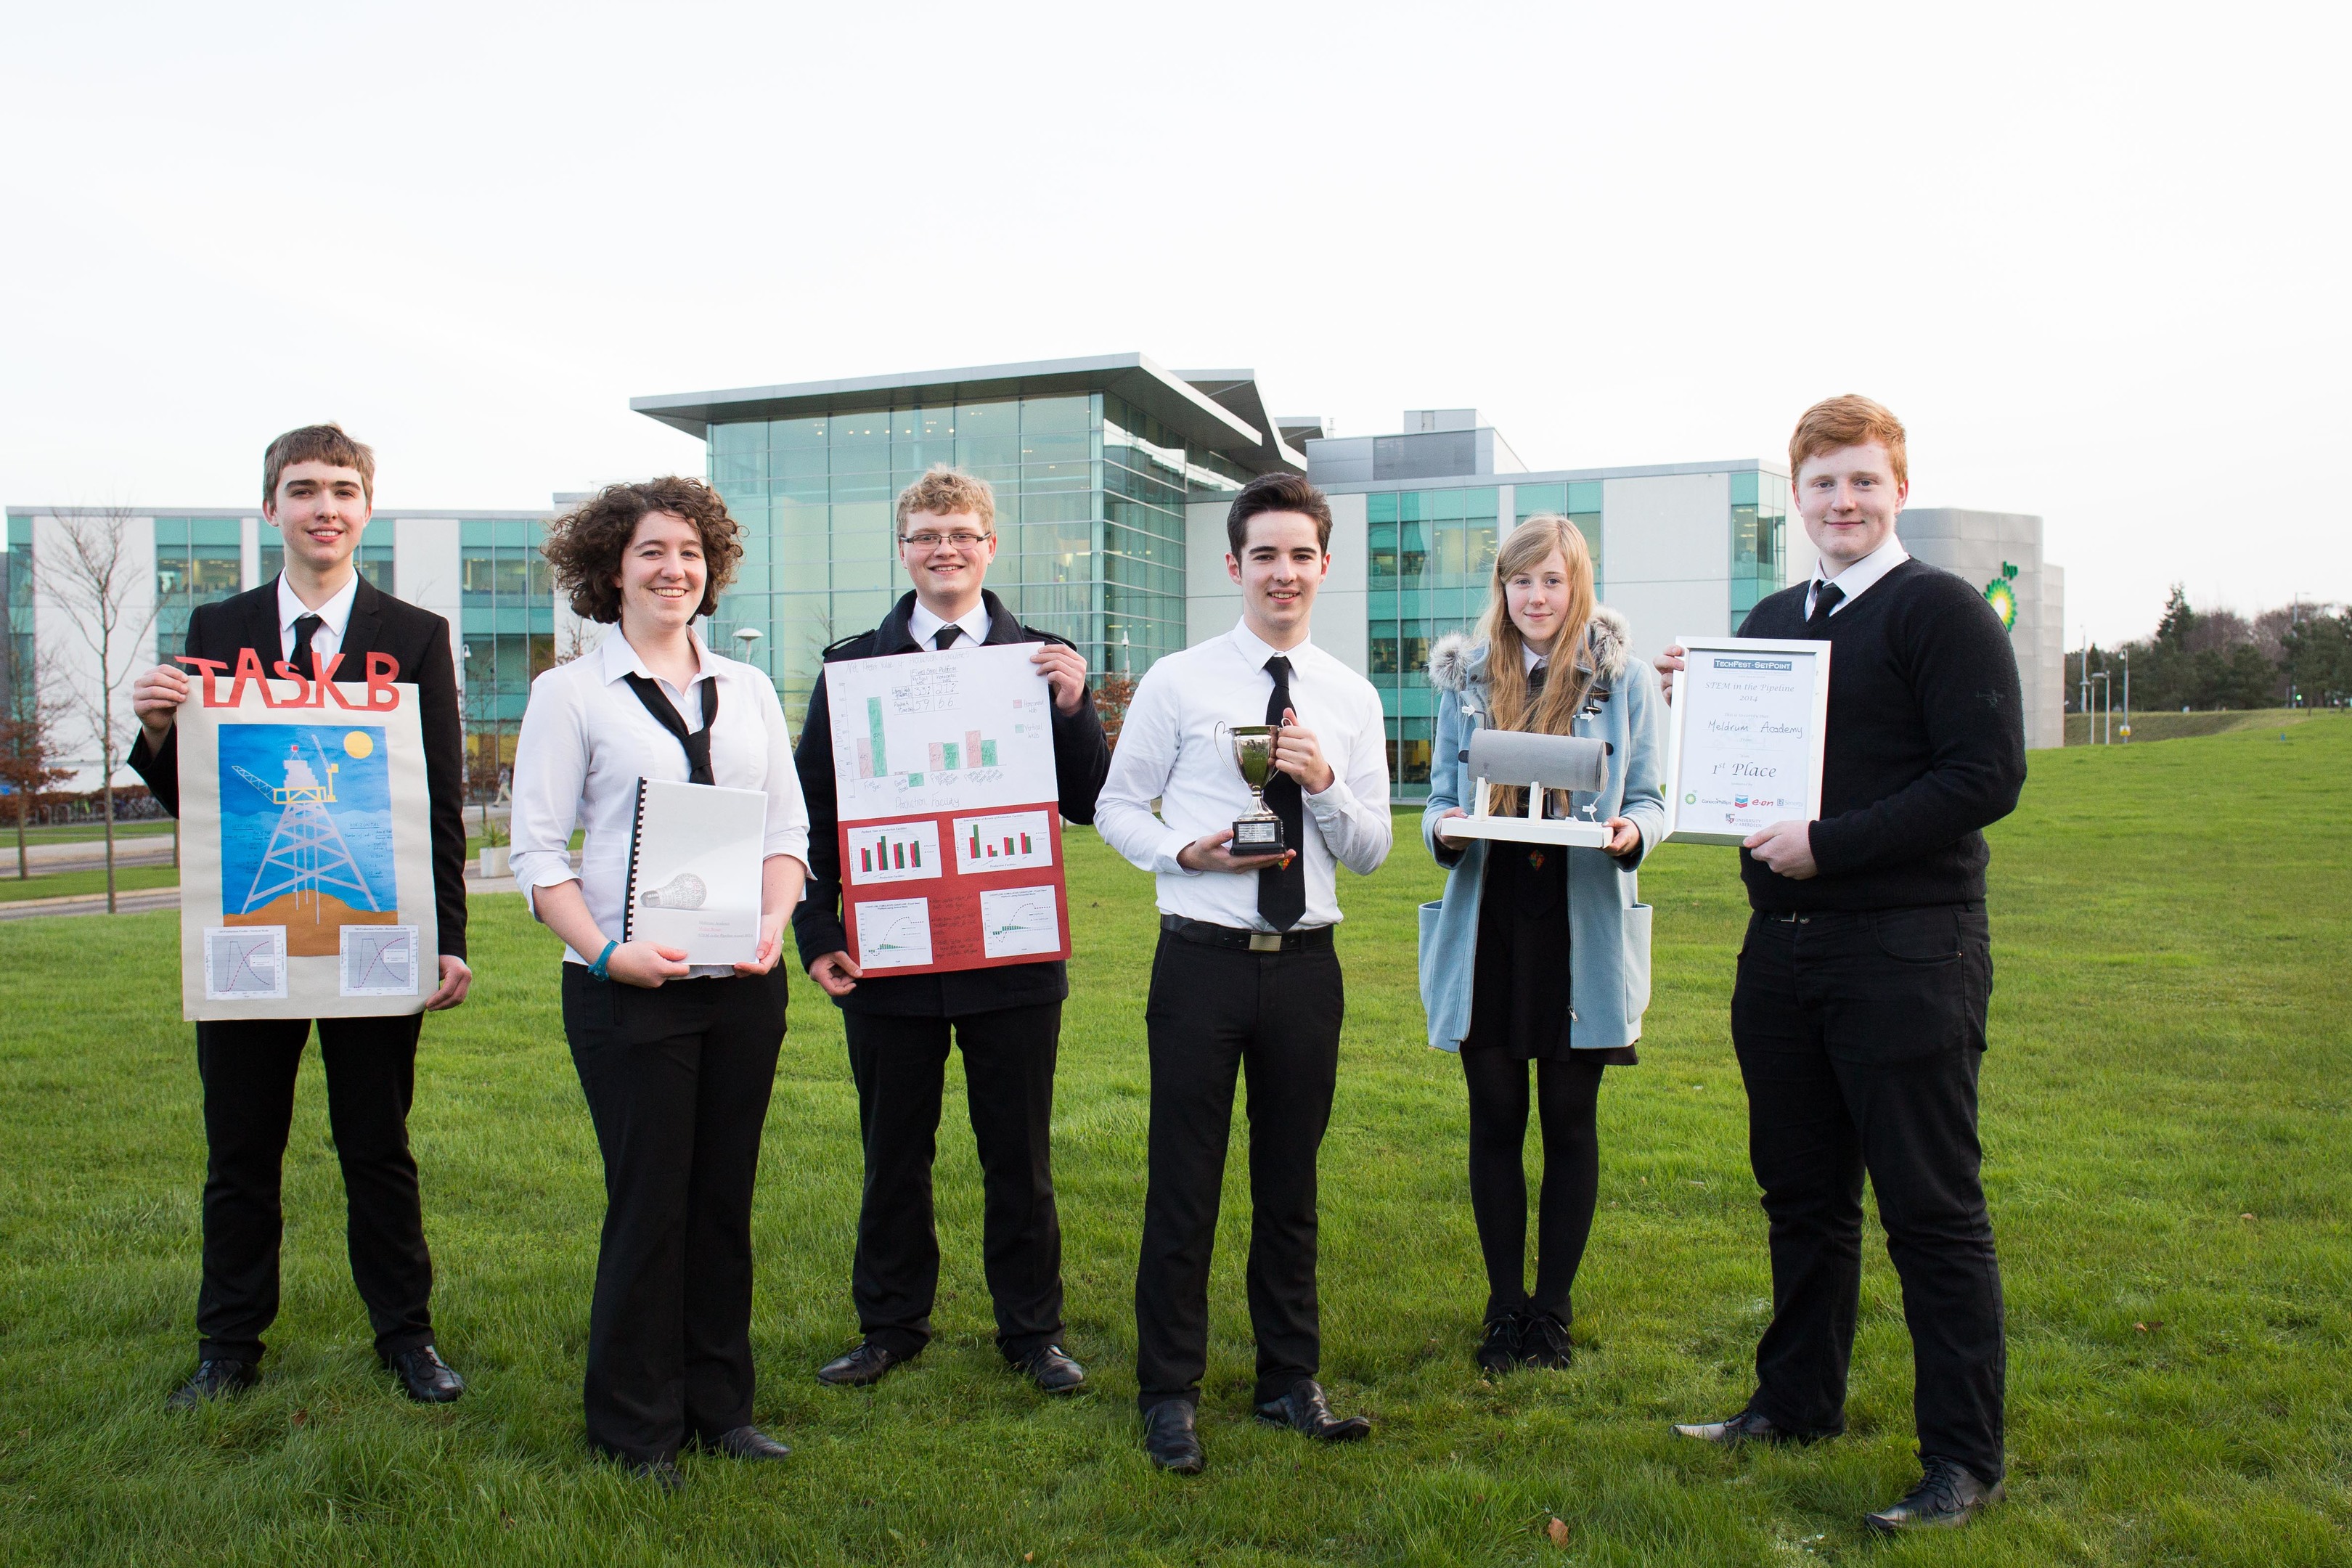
(506, 632)
(1092, 463)
(198, 561)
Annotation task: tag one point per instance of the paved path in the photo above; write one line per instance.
(147, 849)
(152, 899)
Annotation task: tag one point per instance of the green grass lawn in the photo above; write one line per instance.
(2085, 729)
(78, 832)
(2167, 1114)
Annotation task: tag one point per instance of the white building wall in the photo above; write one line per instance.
(425, 571)
(1666, 555)
(1212, 600)
(1341, 629)
(1976, 546)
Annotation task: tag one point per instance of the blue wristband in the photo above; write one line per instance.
(597, 968)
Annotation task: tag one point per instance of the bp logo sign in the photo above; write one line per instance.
(2003, 597)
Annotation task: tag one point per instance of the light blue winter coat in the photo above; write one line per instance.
(1608, 926)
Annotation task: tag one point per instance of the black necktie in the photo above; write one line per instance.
(1829, 597)
(697, 743)
(305, 628)
(1281, 889)
(945, 635)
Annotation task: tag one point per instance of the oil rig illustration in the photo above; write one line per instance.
(306, 853)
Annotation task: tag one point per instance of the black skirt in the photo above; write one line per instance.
(1519, 990)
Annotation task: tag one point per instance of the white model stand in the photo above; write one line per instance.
(1529, 829)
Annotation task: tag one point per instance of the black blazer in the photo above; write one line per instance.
(418, 642)
(1081, 763)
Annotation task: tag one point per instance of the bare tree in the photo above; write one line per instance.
(92, 579)
(35, 701)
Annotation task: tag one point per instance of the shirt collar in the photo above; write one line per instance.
(620, 660)
(1529, 658)
(336, 613)
(1856, 579)
(922, 625)
(1255, 650)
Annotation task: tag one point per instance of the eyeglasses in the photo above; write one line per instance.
(967, 542)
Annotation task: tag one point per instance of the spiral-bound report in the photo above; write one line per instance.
(694, 870)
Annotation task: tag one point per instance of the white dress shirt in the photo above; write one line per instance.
(924, 627)
(587, 740)
(334, 616)
(1170, 751)
(1858, 578)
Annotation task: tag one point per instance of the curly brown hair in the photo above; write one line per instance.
(585, 545)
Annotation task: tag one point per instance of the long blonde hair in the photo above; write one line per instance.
(1573, 670)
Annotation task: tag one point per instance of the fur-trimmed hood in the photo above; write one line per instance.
(1457, 659)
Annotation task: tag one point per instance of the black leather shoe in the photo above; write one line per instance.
(1051, 1369)
(1307, 1412)
(1170, 1438)
(425, 1377)
(1543, 1343)
(1747, 1426)
(868, 1363)
(1498, 1346)
(660, 1472)
(748, 1443)
(1946, 1498)
(213, 1380)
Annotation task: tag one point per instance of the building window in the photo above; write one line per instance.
(1759, 548)
(506, 637)
(17, 677)
(1432, 556)
(1580, 504)
(1090, 496)
(198, 561)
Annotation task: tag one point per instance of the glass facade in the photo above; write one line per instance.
(1581, 503)
(198, 561)
(1430, 556)
(1089, 523)
(1760, 541)
(506, 634)
(16, 613)
(374, 561)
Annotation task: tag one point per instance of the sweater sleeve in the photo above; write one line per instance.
(1964, 678)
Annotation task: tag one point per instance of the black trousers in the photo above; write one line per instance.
(1859, 1037)
(1568, 1094)
(900, 1065)
(249, 1070)
(1214, 1012)
(677, 1079)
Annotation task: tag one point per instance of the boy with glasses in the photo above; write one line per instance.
(1007, 1020)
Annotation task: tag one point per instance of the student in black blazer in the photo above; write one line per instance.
(317, 490)
(1006, 1020)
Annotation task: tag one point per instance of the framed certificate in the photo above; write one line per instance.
(1744, 737)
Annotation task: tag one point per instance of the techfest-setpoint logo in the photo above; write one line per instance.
(2002, 597)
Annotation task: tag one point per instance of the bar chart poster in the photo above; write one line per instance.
(964, 729)
(950, 828)
(994, 896)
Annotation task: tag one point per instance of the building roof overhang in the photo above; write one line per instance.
(1202, 418)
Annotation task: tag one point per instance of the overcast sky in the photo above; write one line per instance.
(2094, 260)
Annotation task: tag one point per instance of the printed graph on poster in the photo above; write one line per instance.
(1019, 920)
(960, 731)
(1011, 842)
(379, 961)
(896, 852)
(245, 963)
(894, 933)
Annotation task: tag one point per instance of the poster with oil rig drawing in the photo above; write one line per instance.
(306, 877)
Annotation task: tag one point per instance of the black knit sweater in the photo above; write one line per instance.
(1926, 746)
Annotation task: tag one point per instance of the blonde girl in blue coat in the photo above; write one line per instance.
(1537, 959)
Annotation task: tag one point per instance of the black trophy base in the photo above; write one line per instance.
(1257, 836)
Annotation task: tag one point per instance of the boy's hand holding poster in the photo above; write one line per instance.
(950, 830)
(306, 856)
